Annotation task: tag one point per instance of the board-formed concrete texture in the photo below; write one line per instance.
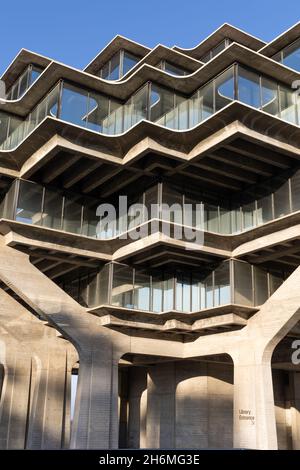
(156, 329)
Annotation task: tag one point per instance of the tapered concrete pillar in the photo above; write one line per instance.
(37, 364)
(254, 410)
(137, 407)
(160, 427)
(295, 409)
(95, 424)
(15, 395)
(192, 405)
(48, 425)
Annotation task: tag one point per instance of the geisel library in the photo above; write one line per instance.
(166, 342)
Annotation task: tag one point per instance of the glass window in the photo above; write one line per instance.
(281, 198)
(105, 71)
(209, 297)
(104, 288)
(136, 108)
(23, 83)
(29, 205)
(182, 112)
(288, 110)
(74, 105)
(141, 291)
(93, 289)
(151, 202)
(269, 92)
(207, 100)
(295, 186)
(196, 294)
(222, 292)
(27, 78)
(243, 292)
(264, 209)
(122, 286)
(168, 290)
(225, 225)
(291, 55)
(236, 218)
(157, 293)
(7, 203)
(129, 61)
(219, 48)
(72, 215)
(248, 215)
(174, 69)
(195, 110)
(52, 101)
(90, 221)
(52, 212)
(224, 89)
(248, 87)
(114, 73)
(172, 208)
(4, 126)
(161, 103)
(183, 292)
(206, 58)
(211, 215)
(35, 73)
(260, 286)
(98, 108)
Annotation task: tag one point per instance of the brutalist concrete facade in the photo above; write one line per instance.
(177, 342)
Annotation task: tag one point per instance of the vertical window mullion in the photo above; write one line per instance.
(43, 205)
(121, 64)
(62, 213)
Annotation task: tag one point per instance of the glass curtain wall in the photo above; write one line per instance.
(290, 55)
(216, 50)
(231, 282)
(118, 65)
(171, 68)
(105, 115)
(59, 210)
(26, 79)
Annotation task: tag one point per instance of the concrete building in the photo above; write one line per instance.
(178, 341)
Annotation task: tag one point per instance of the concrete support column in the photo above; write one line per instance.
(95, 424)
(192, 405)
(49, 400)
(15, 399)
(160, 427)
(254, 411)
(137, 408)
(295, 409)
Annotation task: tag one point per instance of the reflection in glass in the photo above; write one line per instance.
(72, 215)
(248, 87)
(291, 55)
(281, 198)
(74, 107)
(269, 92)
(52, 211)
(242, 283)
(224, 89)
(29, 204)
(260, 286)
(122, 286)
(141, 291)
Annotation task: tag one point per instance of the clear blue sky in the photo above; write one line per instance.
(73, 31)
